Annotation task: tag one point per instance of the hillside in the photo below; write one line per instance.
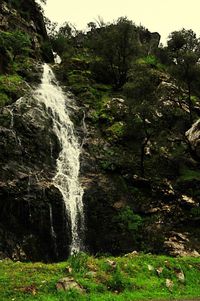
(131, 109)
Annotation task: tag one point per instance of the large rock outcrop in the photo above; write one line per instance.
(193, 136)
(33, 222)
(27, 17)
(124, 211)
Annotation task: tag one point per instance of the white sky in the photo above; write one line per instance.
(163, 16)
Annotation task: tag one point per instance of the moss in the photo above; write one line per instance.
(116, 130)
(11, 88)
(77, 78)
(152, 61)
(27, 68)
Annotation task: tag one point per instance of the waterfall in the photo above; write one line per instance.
(52, 232)
(11, 118)
(57, 58)
(68, 163)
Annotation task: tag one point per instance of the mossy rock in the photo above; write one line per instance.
(116, 131)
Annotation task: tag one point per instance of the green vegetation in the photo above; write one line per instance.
(15, 65)
(122, 60)
(189, 175)
(110, 48)
(133, 277)
(11, 88)
(16, 42)
(184, 50)
(127, 221)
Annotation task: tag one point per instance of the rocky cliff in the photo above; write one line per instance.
(165, 218)
(30, 206)
(159, 211)
(26, 16)
(125, 210)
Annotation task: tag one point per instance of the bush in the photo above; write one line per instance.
(128, 220)
(78, 262)
(119, 281)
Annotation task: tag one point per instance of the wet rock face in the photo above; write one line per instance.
(33, 219)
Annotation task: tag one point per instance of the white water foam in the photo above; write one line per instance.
(68, 162)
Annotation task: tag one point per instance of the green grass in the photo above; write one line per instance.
(103, 279)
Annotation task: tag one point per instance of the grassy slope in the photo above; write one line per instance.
(126, 278)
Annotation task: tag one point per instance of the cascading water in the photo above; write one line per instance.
(68, 162)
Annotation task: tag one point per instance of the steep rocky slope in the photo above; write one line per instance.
(30, 205)
(157, 211)
(26, 17)
(29, 149)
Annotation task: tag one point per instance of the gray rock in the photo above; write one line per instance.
(150, 267)
(178, 244)
(193, 136)
(169, 284)
(180, 275)
(111, 263)
(67, 283)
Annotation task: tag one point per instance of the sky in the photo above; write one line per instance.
(163, 16)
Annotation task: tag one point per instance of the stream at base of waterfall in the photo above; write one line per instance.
(66, 178)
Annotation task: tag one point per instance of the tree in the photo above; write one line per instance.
(17, 42)
(142, 101)
(184, 49)
(116, 45)
(50, 27)
(92, 25)
(63, 40)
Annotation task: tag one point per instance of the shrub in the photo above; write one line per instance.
(78, 262)
(119, 281)
(128, 220)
